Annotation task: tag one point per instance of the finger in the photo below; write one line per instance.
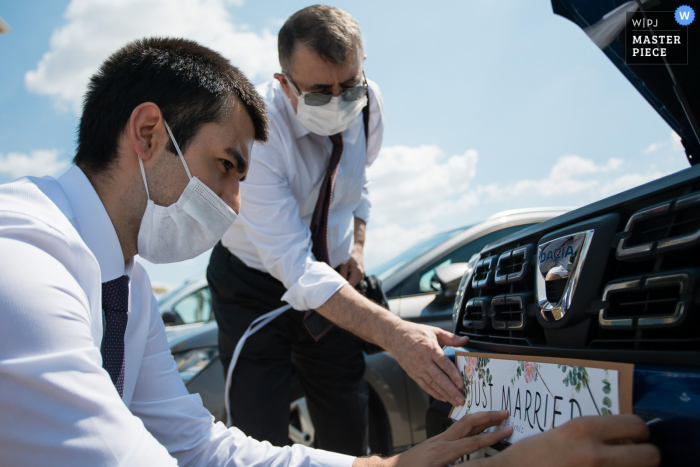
(474, 443)
(446, 384)
(450, 369)
(438, 389)
(473, 424)
(637, 455)
(434, 392)
(498, 417)
(447, 338)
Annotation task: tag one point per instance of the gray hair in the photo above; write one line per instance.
(328, 31)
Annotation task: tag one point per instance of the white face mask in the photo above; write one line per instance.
(187, 228)
(329, 119)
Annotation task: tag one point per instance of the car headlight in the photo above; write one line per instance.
(190, 363)
(460, 291)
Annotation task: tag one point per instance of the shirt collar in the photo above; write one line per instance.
(94, 225)
(297, 127)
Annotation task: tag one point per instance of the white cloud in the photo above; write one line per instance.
(652, 147)
(96, 28)
(411, 187)
(38, 163)
(570, 175)
(627, 181)
(409, 183)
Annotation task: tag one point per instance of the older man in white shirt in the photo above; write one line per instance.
(300, 242)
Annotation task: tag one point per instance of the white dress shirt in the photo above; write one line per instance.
(58, 406)
(279, 196)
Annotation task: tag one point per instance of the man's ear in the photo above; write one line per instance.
(146, 132)
(284, 83)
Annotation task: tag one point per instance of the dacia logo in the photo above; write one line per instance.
(556, 254)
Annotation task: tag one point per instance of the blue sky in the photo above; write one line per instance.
(489, 106)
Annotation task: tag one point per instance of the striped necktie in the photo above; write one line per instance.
(115, 304)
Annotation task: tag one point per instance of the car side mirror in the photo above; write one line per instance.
(171, 318)
(447, 279)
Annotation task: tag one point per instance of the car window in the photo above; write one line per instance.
(195, 307)
(421, 282)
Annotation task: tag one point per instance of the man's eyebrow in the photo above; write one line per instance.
(241, 162)
(351, 80)
(346, 83)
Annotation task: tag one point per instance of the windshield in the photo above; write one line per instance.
(385, 270)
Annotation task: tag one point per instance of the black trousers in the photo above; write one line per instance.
(331, 371)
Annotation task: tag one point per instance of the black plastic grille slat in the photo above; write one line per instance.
(651, 230)
(686, 222)
(511, 265)
(481, 273)
(659, 301)
(670, 224)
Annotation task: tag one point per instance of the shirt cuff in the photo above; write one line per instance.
(318, 283)
(362, 211)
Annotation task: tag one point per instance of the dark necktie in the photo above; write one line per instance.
(317, 325)
(115, 304)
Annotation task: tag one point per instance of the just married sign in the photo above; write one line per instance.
(541, 393)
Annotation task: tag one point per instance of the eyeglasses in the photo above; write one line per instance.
(316, 99)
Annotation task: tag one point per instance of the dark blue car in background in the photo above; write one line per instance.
(636, 297)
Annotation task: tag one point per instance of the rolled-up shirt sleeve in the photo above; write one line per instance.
(270, 215)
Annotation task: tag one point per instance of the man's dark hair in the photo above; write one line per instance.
(328, 31)
(191, 84)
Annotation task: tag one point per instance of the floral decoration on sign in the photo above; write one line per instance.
(529, 370)
(577, 377)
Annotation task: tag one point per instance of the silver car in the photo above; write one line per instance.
(420, 284)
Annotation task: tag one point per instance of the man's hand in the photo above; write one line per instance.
(606, 441)
(586, 441)
(463, 437)
(418, 350)
(354, 270)
(416, 347)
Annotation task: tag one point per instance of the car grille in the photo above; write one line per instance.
(642, 285)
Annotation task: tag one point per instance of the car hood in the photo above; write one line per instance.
(604, 21)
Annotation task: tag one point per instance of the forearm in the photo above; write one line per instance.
(353, 312)
(374, 461)
(359, 233)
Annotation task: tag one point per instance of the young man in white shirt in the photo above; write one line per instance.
(86, 375)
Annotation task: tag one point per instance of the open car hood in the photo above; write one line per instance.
(664, 87)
